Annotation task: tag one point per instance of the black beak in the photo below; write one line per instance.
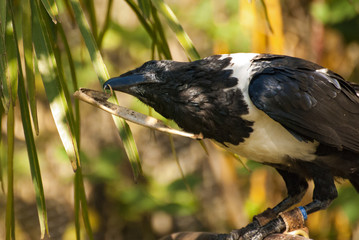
(122, 83)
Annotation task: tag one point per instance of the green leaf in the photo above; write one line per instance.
(77, 205)
(106, 23)
(12, 67)
(29, 138)
(73, 78)
(162, 44)
(51, 8)
(10, 215)
(102, 73)
(92, 14)
(130, 146)
(152, 30)
(11, 77)
(60, 108)
(82, 199)
(33, 159)
(29, 63)
(1, 152)
(145, 6)
(176, 27)
(2, 18)
(4, 93)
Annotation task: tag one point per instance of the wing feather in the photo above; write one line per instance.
(311, 102)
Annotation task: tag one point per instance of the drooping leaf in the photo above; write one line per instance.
(82, 199)
(102, 73)
(11, 81)
(106, 23)
(51, 8)
(162, 43)
(10, 214)
(29, 138)
(176, 27)
(60, 108)
(77, 204)
(145, 6)
(29, 63)
(90, 7)
(1, 152)
(73, 80)
(4, 93)
(33, 159)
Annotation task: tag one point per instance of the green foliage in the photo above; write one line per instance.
(40, 35)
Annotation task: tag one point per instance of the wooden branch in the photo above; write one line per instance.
(216, 236)
(99, 99)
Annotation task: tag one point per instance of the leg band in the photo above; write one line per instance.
(293, 219)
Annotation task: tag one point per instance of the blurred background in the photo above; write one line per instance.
(217, 193)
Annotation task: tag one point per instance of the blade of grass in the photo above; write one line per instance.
(176, 27)
(11, 77)
(2, 18)
(162, 45)
(73, 78)
(148, 27)
(92, 14)
(1, 152)
(142, 20)
(4, 94)
(106, 24)
(102, 73)
(152, 29)
(83, 201)
(51, 8)
(29, 139)
(29, 64)
(145, 6)
(10, 215)
(66, 99)
(77, 205)
(33, 159)
(51, 78)
(11, 59)
(178, 163)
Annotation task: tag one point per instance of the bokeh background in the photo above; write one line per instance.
(216, 192)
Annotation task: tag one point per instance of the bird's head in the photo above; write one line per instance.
(153, 83)
(199, 96)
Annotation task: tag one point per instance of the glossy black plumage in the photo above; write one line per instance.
(311, 102)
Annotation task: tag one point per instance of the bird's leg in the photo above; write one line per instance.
(296, 187)
(324, 193)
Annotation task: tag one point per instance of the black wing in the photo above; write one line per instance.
(311, 102)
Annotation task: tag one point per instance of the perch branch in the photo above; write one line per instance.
(216, 236)
(99, 99)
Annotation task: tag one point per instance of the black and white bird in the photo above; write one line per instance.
(285, 112)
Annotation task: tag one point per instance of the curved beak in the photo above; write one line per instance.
(122, 83)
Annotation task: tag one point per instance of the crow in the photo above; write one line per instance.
(285, 112)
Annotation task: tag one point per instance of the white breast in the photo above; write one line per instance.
(269, 142)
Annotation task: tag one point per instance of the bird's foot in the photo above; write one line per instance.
(285, 223)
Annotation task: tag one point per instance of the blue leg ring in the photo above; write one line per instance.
(304, 213)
